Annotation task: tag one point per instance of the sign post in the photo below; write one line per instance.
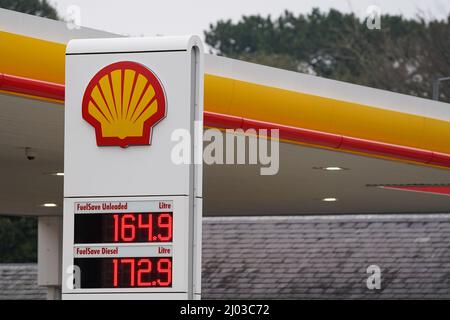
(132, 215)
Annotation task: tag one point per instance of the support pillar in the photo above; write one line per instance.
(49, 255)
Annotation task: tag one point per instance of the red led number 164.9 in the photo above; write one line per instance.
(124, 227)
(133, 227)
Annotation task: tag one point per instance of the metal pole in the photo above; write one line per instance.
(436, 84)
(436, 89)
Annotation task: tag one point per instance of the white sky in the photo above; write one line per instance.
(174, 17)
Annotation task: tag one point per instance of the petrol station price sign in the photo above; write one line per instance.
(124, 244)
(132, 215)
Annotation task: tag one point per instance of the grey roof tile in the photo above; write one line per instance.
(19, 281)
(327, 257)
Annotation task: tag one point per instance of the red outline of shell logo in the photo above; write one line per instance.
(123, 101)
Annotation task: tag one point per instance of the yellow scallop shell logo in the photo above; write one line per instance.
(123, 101)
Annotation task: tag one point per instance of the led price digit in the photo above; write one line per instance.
(130, 227)
(141, 272)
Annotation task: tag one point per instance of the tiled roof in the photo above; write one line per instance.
(326, 257)
(19, 281)
(307, 257)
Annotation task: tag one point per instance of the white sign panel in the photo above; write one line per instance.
(132, 217)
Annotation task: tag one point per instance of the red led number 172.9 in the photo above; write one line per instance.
(142, 272)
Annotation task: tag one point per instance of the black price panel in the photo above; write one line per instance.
(123, 227)
(128, 272)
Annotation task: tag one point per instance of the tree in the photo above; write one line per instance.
(404, 56)
(39, 8)
(18, 239)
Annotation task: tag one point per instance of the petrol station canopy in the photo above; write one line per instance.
(393, 149)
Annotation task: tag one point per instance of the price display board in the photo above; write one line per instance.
(127, 244)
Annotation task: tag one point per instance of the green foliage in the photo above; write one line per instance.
(39, 8)
(404, 56)
(18, 239)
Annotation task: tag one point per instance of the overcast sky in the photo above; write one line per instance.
(174, 17)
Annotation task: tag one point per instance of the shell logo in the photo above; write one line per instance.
(123, 101)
